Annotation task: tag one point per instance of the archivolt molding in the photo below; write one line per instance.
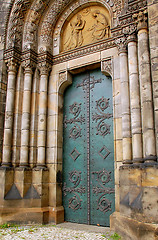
(32, 23)
(16, 23)
(51, 17)
(27, 15)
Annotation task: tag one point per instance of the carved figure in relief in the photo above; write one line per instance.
(32, 24)
(76, 38)
(100, 28)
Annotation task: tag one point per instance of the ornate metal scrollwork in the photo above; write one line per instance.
(75, 202)
(103, 177)
(102, 128)
(75, 131)
(104, 205)
(89, 81)
(75, 179)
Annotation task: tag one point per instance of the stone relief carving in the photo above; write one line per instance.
(87, 26)
(141, 19)
(20, 7)
(76, 37)
(32, 24)
(121, 44)
(50, 20)
(107, 66)
(62, 77)
(12, 65)
(51, 17)
(29, 59)
(100, 26)
(130, 32)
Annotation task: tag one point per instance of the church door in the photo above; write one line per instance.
(88, 150)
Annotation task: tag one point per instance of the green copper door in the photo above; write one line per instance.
(88, 151)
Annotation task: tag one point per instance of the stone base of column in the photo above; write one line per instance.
(150, 159)
(19, 215)
(130, 229)
(56, 214)
(34, 215)
(6, 181)
(24, 195)
(138, 206)
(6, 165)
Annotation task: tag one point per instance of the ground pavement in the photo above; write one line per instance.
(62, 231)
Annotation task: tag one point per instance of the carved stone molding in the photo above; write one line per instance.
(34, 16)
(45, 57)
(107, 66)
(16, 22)
(85, 50)
(134, 6)
(51, 17)
(12, 53)
(141, 19)
(130, 32)
(29, 59)
(62, 77)
(20, 8)
(126, 15)
(65, 79)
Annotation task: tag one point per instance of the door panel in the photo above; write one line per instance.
(101, 150)
(88, 155)
(75, 152)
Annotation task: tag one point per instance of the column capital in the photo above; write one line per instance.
(44, 68)
(12, 65)
(121, 44)
(28, 69)
(130, 33)
(29, 60)
(45, 61)
(141, 19)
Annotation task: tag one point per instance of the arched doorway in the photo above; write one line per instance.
(88, 151)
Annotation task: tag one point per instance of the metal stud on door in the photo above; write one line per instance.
(88, 155)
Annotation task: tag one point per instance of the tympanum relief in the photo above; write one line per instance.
(87, 26)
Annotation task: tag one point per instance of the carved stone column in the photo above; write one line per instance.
(149, 147)
(134, 100)
(25, 123)
(8, 126)
(125, 101)
(42, 115)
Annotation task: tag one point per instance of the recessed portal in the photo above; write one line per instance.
(88, 150)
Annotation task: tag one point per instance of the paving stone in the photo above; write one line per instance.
(71, 231)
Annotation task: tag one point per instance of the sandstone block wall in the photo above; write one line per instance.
(4, 9)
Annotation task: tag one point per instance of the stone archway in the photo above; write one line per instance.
(38, 71)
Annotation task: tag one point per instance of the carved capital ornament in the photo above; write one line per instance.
(121, 44)
(12, 65)
(141, 20)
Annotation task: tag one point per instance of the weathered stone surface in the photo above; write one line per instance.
(130, 229)
(34, 107)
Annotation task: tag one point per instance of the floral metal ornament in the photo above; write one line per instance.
(102, 127)
(75, 110)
